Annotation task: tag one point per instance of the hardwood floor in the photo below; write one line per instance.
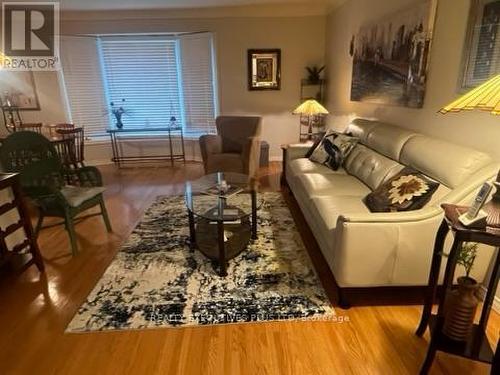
(34, 312)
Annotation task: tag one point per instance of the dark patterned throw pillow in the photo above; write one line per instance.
(333, 149)
(407, 191)
(315, 144)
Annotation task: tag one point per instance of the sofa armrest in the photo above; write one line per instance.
(391, 217)
(297, 151)
(251, 155)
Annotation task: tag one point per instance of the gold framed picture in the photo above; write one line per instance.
(264, 69)
(18, 89)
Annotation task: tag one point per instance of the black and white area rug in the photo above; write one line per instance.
(156, 280)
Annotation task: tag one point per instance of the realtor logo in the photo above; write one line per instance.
(30, 36)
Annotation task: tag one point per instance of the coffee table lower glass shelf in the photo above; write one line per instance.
(221, 224)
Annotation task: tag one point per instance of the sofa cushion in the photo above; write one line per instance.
(408, 190)
(370, 167)
(445, 162)
(332, 184)
(361, 128)
(333, 149)
(303, 165)
(388, 140)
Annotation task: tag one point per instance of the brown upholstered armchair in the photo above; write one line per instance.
(235, 148)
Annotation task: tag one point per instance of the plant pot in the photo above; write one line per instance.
(460, 309)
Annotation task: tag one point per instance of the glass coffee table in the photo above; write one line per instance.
(222, 210)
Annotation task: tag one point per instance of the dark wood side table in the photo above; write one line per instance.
(10, 181)
(212, 215)
(477, 347)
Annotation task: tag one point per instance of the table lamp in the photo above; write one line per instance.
(485, 97)
(310, 108)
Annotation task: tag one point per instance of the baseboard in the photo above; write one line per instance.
(96, 163)
(496, 300)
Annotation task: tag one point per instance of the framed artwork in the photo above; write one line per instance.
(481, 58)
(391, 57)
(264, 69)
(18, 89)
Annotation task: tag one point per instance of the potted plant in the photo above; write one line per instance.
(314, 74)
(461, 303)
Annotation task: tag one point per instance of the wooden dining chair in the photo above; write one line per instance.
(71, 147)
(64, 126)
(54, 127)
(42, 179)
(32, 127)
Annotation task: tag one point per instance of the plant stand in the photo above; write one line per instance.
(477, 347)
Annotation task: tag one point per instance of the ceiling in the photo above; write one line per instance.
(92, 5)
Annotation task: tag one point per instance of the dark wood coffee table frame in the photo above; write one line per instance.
(222, 253)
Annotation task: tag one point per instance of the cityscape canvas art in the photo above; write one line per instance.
(391, 57)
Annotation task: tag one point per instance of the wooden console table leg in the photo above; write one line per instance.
(432, 285)
(171, 148)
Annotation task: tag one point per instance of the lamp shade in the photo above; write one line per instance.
(485, 97)
(310, 107)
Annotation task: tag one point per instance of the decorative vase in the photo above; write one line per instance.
(119, 123)
(460, 309)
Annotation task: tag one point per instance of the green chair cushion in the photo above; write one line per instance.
(76, 195)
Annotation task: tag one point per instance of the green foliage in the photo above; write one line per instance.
(467, 256)
(314, 73)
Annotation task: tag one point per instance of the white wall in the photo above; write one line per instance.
(477, 130)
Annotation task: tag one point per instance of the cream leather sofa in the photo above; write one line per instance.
(365, 249)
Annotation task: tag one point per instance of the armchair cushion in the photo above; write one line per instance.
(226, 162)
(210, 144)
(75, 195)
(236, 148)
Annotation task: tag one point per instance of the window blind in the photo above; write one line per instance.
(482, 48)
(157, 77)
(83, 84)
(198, 83)
(144, 72)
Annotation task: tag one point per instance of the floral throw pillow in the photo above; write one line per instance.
(333, 149)
(408, 190)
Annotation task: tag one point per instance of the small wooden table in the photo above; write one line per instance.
(477, 347)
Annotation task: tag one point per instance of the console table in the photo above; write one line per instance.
(477, 347)
(167, 133)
